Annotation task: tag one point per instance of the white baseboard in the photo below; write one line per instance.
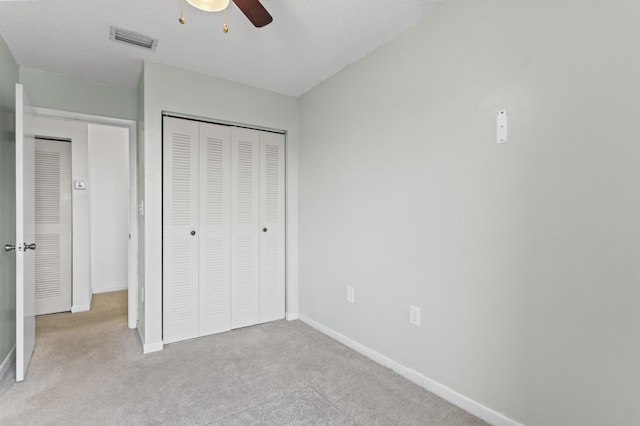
(291, 316)
(110, 289)
(140, 338)
(474, 407)
(148, 348)
(8, 360)
(80, 308)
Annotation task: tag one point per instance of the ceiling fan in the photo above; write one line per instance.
(252, 9)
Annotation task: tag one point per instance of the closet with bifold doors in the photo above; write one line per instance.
(223, 228)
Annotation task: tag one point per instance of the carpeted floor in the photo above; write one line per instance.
(88, 369)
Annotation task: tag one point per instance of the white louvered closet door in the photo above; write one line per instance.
(245, 223)
(215, 229)
(180, 228)
(272, 222)
(53, 226)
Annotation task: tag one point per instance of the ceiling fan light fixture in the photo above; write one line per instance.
(209, 5)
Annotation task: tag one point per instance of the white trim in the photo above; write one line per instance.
(474, 407)
(81, 308)
(133, 224)
(8, 360)
(292, 316)
(110, 289)
(90, 118)
(132, 273)
(140, 338)
(221, 122)
(148, 348)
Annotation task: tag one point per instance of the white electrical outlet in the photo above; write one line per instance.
(351, 296)
(414, 315)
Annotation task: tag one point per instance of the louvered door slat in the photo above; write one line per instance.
(272, 218)
(245, 222)
(180, 219)
(215, 229)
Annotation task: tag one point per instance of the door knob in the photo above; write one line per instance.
(193, 232)
(9, 247)
(31, 246)
(264, 229)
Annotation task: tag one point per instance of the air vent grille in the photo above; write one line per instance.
(133, 38)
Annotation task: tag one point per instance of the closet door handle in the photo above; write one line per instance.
(193, 232)
(264, 229)
(9, 247)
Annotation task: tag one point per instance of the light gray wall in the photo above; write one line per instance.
(524, 257)
(179, 91)
(8, 78)
(66, 93)
(109, 177)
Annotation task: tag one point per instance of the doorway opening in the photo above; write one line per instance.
(104, 204)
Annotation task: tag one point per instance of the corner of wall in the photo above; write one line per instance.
(148, 348)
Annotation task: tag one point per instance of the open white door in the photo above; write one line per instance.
(25, 235)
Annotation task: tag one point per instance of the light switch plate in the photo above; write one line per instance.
(414, 315)
(351, 296)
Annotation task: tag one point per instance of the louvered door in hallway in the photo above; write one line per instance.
(53, 225)
(223, 228)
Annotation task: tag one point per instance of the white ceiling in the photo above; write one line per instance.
(307, 42)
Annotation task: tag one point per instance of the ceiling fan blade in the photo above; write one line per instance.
(255, 11)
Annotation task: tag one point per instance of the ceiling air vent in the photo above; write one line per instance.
(133, 39)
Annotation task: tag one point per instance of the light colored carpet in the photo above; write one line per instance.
(88, 369)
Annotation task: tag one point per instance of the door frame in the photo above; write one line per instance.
(133, 194)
